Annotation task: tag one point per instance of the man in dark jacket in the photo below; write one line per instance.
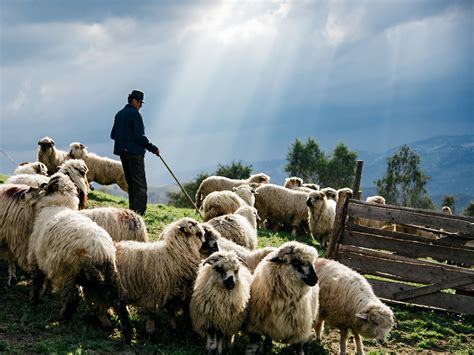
(130, 144)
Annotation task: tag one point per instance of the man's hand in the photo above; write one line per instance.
(157, 152)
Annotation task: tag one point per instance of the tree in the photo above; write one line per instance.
(306, 161)
(234, 171)
(179, 199)
(469, 211)
(340, 169)
(404, 182)
(449, 200)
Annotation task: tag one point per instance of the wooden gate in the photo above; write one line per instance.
(416, 266)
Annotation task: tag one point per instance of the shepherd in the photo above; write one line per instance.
(128, 133)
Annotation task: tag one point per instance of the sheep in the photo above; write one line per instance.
(376, 200)
(296, 183)
(221, 183)
(32, 168)
(49, 155)
(283, 301)
(241, 226)
(102, 170)
(18, 207)
(153, 275)
(218, 304)
(33, 180)
(282, 205)
(70, 250)
(447, 210)
(219, 203)
(347, 301)
(251, 257)
(331, 194)
(321, 215)
(120, 223)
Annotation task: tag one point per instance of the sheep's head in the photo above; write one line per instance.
(316, 199)
(298, 257)
(312, 186)
(45, 144)
(77, 151)
(330, 193)
(447, 210)
(293, 182)
(226, 265)
(375, 321)
(246, 193)
(59, 182)
(250, 213)
(40, 168)
(376, 199)
(259, 178)
(191, 230)
(210, 244)
(344, 192)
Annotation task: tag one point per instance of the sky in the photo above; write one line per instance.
(234, 80)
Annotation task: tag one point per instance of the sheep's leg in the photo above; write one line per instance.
(318, 328)
(70, 301)
(267, 345)
(211, 342)
(252, 347)
(220, 342)
(150, 323)
(343, 341)
(298, 348)
(358, 344)
(36, 284)
(293, 231)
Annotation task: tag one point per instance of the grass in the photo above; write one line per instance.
(27, 330)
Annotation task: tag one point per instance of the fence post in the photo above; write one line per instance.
(358, 175)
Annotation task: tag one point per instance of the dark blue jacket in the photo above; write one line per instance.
(129, 133)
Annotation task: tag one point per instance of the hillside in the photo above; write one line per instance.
(27, 330)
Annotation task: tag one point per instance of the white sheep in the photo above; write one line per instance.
(220, 203)
(447, 210)
(32, 168)
(218, 305)
(283, 302)
(282, 206)
(221, 183)
(33, 180)
(102, 170)
(296, 183)
(241, 226)
(70, 250)
(331, 194)
(376, 200)
(251, 257)
(153, 275)
(347, 301)
(120, 223)
(49, 155)
(321, 215)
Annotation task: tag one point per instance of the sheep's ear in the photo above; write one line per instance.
(242, 261)
(234, 189)
(362, 315)
(43, 185)
(212, 260)
(83, 146)
(276, 259)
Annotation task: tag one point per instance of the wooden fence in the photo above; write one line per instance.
(413, 266)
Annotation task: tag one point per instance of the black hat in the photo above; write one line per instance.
(135, 94)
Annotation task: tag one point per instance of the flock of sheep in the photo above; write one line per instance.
(212, 271)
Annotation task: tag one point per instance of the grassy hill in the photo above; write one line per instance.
(27, 330)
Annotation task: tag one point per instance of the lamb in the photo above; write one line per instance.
(251, 257)
(221, 183)
(284, 297)
(241, 226)
(102, 170)
(120, 223)
(49, 155)
(282, 205)
(296, 183)
(347, 301)
(321, 215)
(218, 305)
(219, 203)
(32, 168)
(70, 250)
(154, 275)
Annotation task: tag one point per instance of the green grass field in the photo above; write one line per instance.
(27, 330)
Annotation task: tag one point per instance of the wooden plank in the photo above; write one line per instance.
(445, 301)
(426, 290)
(338, 229)
(400, 268)
(396, 215)
(449, 241)
(414, 249)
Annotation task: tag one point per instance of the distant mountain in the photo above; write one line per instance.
(447, 160)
